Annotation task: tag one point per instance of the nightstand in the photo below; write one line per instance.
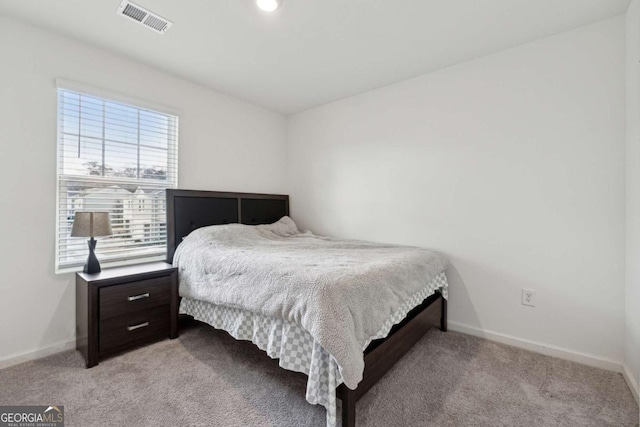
(121, 308)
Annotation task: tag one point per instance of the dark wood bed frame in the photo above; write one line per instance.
(188, 210)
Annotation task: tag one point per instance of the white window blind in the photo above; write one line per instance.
(118, 158)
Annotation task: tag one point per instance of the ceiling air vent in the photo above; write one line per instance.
(144, 17)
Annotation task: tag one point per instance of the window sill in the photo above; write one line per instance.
(107, 265)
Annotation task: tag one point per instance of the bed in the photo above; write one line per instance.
(309, 329)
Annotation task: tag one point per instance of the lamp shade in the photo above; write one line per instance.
(91, 224)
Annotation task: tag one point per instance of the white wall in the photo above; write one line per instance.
(511, 164)
(632, 336)
(225, 144)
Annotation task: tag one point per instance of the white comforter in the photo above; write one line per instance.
(340, 291)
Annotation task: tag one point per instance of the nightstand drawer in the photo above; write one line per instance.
(120, 300)
(131, 329)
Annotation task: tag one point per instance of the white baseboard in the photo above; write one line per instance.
(631, 382)
(546, 349)
(17, 358)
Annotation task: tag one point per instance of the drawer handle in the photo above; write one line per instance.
(134, 327)
(137, 297)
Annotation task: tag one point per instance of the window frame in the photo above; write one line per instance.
(172, 172)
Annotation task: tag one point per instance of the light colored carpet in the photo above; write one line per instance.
(206, 378)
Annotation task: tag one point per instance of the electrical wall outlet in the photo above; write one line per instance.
(529, 297)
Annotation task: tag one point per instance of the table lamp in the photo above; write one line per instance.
(91, 224)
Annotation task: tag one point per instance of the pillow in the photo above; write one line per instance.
(284, 227)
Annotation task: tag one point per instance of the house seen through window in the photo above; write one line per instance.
(119, 158)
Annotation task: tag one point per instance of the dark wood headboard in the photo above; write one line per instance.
(188, 210)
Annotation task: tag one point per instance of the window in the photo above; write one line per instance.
(115, 157)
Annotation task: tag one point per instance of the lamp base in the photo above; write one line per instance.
(92, 266)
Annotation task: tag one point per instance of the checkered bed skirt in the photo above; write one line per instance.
(293, 346)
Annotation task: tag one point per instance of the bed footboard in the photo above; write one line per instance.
(382, 354)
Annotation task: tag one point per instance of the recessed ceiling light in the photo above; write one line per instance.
(269, 5)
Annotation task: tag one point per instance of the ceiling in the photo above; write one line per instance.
(311, 52)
